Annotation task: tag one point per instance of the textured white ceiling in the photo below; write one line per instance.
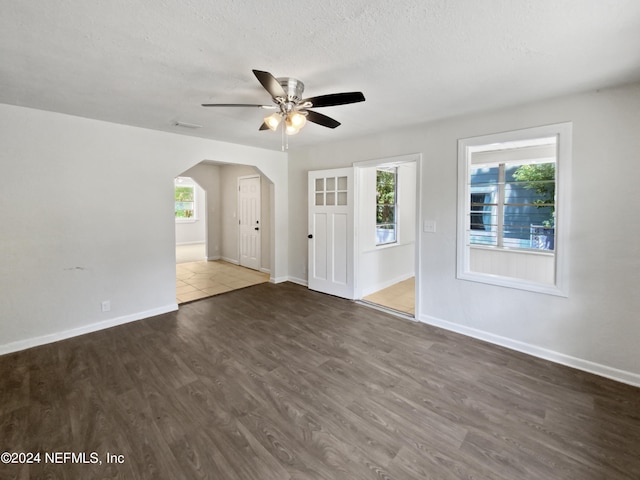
(151, 63)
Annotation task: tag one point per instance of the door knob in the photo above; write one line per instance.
(310, 236)
(256, 228)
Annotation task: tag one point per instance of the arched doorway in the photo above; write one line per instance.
(221, 270)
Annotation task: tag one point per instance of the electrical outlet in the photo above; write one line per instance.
(106, 306)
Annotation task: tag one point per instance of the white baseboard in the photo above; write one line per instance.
(214, 258)
(74, 332)
(388, 283)
(553, 356)
(299, 281)
(278, 279)
(189, 243)
(237, 262)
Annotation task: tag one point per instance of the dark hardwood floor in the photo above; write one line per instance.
(275, 382)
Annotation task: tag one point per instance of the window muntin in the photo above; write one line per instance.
(386, 205)
(331, 191)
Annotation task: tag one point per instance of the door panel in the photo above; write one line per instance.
(320, 246)
(331, 230)
(340, 247)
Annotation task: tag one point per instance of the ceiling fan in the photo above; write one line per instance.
(291, 110)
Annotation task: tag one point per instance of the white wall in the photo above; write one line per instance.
(194, 231)
(382, 266)
(207, 175)
(596, 328)
(75, 241)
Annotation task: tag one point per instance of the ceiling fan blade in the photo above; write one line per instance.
(270, 84)
(264, 126)
(237, 105)
(321, 119)
(335, 99)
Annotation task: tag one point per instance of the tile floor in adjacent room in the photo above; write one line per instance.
(196, 280)
(400, 296)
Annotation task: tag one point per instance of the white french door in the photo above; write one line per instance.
(249, 220)
(331, 243)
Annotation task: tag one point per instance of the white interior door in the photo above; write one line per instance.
(331, 244)
(249, 220)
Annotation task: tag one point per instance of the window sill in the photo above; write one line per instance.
(186, 220)
(526, 251)
(510, 282)
(386, 246)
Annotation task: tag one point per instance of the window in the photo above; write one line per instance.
(512, 213)
(331, 191)
(386, 205)
(185, 199)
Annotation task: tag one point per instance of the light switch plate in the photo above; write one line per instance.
(429, 226)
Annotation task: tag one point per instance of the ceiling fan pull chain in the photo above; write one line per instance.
(286, 137)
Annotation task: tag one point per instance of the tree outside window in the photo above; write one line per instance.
(386, 206)
(184, 199)
(541, 179)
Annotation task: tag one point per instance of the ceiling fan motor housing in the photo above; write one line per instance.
(293, 87)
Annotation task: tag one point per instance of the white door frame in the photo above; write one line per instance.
(413, 157)
(258, 256)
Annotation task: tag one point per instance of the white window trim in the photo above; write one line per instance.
(562, 224)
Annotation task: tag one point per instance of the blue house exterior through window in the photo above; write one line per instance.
(512, 205)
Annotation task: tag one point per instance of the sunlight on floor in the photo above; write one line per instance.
(194, 252)
(400, 296)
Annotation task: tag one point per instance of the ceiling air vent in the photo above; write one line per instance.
(187, 125)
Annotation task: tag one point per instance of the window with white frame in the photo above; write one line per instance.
(386, 205)
(185, 199)
(512, 215)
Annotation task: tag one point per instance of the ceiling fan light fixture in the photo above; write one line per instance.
(297, 119)
(272, 121)
(290, 128)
